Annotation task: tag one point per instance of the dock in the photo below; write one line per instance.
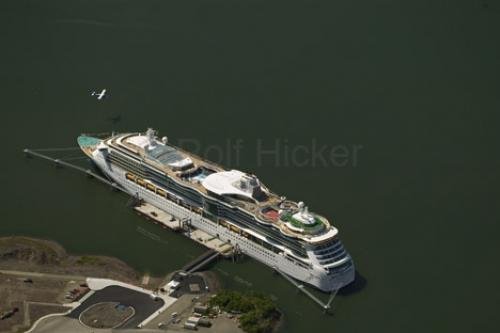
(212, 242)
(158, 216)
(216, 246)
(171, 222)
(149, 211)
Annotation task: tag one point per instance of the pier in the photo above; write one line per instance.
(166, 220)
(216, 246)
(158, 216)
(150, 212)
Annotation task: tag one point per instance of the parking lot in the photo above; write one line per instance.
(143, 304)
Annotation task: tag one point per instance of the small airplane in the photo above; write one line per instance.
(99, 95)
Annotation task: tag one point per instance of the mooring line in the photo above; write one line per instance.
(74, 158)
(302, 288)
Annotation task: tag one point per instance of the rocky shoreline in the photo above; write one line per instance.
(19, 253)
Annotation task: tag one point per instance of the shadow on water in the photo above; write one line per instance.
(356, 286)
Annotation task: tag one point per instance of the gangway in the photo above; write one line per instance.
(204, 262)
(201, 261)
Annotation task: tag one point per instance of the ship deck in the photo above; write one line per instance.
(255, 208)
(258, 209)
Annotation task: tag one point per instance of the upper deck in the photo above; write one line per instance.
(233, 187)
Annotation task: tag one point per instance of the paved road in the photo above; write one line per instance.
(43, 275)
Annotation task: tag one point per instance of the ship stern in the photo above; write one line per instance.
(335, 279)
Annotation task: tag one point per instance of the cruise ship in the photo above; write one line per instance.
(232, 205)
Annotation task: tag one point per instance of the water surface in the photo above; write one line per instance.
(415, 83)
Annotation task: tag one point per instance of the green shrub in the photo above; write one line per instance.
(259, 313)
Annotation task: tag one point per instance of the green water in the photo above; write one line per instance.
(414, 83)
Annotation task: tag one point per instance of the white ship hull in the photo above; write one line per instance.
(310, 274)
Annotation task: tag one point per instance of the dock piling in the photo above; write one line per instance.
(26, 153)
